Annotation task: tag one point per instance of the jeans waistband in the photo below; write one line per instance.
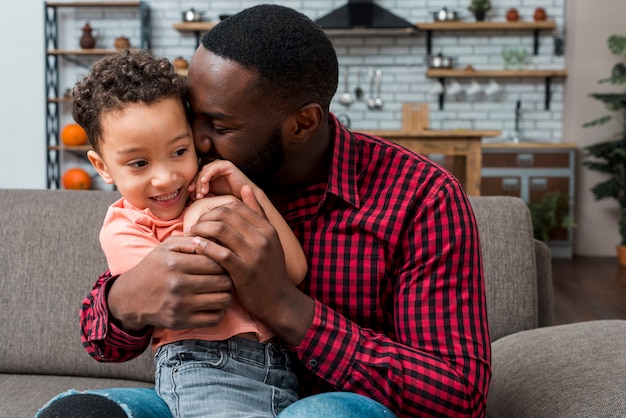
(268, 354)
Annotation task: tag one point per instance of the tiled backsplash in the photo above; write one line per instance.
(401, 59)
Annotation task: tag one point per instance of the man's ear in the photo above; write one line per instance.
(98, 163)
(303, 124)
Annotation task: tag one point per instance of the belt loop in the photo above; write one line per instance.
(232, 347)
(276, 356)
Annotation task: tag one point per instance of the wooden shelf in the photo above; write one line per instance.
(198, 28)
(93, 4)
(535, 27)
(194, 26)
(75, 148)
(548, 75)
(84, 52)
(60, 100)
(448, 73)
(481, 26)
(371, 32)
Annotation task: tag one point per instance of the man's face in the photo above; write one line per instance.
(227, 120)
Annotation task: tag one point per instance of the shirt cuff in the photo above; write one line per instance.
(330, 346)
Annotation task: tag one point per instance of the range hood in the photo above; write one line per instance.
(362, 14)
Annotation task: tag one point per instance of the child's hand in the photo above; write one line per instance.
(219, 177)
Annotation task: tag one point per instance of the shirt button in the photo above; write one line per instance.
(313, 363)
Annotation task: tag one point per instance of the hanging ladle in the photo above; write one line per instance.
(378, 101)
(346, 98)
(371, 101)
(358, 92)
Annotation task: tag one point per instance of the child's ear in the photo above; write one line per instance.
(98, 163)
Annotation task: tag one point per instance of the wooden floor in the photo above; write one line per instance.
(588, 288)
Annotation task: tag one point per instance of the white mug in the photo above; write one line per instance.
(492, 88)
(473, 89)
(454, 89)
(436, 89)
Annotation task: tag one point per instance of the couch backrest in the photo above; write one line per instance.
(50, 257)
(509, 261)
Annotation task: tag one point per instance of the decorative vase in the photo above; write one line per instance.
(540, 14)
(480, 15)
(512, 15)
(121, 42)
(621, 255)
(87, 41)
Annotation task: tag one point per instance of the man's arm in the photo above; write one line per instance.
(190, 291)
(436, 359)
(102, 339)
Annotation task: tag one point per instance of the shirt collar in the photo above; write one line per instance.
(342, 181)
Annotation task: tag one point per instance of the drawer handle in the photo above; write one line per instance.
(510, 184)
(539, 184)
(525, 160)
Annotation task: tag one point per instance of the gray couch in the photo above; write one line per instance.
(51, 257)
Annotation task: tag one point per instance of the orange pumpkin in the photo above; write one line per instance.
(76, 179)
(73, 134)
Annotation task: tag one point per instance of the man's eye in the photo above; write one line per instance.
(221, 130)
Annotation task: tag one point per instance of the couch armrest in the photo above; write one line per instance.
(545, 289)
(509, 263)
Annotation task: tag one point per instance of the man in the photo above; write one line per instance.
(393, 307)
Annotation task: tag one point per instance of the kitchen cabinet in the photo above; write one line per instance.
(529, 171)
(460, 148)
(54, 52)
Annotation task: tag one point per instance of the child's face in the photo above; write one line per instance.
(148, 152)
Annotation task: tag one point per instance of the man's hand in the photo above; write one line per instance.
(239, 237)
(172, 287)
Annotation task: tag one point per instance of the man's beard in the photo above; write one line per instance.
(262, 167)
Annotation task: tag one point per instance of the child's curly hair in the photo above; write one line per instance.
(125, 77)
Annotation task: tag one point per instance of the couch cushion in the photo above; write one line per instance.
(50, 258)
(573, 370)
(506, 239)
(21, 396)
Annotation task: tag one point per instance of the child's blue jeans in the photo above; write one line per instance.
(232, 378)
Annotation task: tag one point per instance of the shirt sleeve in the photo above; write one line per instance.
(436, 362)
(126, 238)
(101, 338)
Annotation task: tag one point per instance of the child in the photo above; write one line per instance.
(132, 106)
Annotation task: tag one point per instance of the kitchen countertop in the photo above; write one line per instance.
(529, 145)
(435, 134)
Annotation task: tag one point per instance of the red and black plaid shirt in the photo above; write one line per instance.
(396, 273)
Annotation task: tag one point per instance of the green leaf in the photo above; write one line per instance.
(617, 44)
(598, 122)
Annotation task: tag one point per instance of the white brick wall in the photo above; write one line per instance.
(401, 58)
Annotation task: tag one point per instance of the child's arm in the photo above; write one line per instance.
(221, 177)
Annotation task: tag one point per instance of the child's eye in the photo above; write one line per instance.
(138, 164)
(180, 152)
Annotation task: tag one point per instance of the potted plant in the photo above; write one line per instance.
(479, 8)
(609, 157)
(550, 214)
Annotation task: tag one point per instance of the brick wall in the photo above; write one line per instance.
(401, 59)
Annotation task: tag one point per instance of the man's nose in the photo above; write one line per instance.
(201, 139)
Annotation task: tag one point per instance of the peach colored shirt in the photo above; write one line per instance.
(128, 234)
